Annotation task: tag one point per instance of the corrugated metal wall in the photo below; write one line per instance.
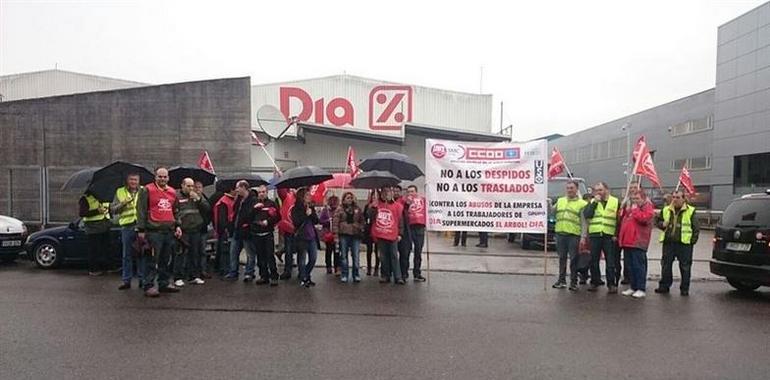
(471, 112)
(56, 82)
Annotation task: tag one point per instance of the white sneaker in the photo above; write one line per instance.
(197, 281)
(628, 292)
(639, 294)
(179, 283)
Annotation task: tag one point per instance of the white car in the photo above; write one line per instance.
(13, 233)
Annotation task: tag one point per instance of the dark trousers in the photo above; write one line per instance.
(567, 246)
(638, 268)
(682, 253)
(332, 256)
(601, 244)
(483, 238)
(369, 251)
(404, 247)
(159, 264)
(461, 237)
(623, 266)
(222, 255)
(187, 261)
(265, 248)
(99, 251)
(390, 263)
(417, 235)
(288, 259)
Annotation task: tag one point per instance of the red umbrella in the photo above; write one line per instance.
(340, 180)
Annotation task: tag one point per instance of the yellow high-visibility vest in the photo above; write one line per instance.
(93, 204)
(568, 215)
(605, 218)
(686, 222)
(128, 214)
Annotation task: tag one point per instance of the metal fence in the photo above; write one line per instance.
(32, 194)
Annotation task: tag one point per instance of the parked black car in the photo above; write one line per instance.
(741, 250)
(51, 247)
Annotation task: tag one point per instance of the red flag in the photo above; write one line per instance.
(686, 181)
(318, 192)
(351, 162)
(255, 139)
(644, 165)
(204, 162)
(556, 166)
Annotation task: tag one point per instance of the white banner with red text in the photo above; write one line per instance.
(486, 187)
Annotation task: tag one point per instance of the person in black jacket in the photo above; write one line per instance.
(265, 216)
(245, 203)
(305, 218)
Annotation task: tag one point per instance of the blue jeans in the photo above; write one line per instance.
(288, 247)
(223, 255)
(417, 234)
(251, 257)
(390, 263)
(236, 245)
(159, 264)
(306, 250)
(638, 268)
(127, 237)
(187, 262)
(353, 244)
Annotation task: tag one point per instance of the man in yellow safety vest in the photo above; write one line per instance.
(570, 228)
(96, 219)
(680, 231)
(602, 217)
(123, 207)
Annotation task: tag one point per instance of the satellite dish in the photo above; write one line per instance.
(272, 121)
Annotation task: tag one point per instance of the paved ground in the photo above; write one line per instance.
(509, 258)
(65, 325)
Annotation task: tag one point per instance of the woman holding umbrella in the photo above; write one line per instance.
(305, 218)
(332, 254)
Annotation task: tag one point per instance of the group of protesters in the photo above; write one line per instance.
(600, 224)
(164, 233)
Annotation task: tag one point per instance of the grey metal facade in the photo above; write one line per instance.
(44, 140)
(706, 130)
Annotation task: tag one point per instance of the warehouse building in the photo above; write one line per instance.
(55, 122)
(722, 134)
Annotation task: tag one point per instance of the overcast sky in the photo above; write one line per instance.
(559, 66)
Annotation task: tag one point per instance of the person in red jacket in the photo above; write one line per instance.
(264, 216)
(286, 229)
(418, 209)
(386, 231)
(636, 222)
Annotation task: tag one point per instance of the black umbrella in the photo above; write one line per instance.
(303, 176)
(375, 179)
(228, 183)
(179, 173)
(103, 182)
(398, 164)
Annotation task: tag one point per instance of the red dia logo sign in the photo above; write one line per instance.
(438, 151)
(389, 107)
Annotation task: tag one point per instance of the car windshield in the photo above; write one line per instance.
(747, 213)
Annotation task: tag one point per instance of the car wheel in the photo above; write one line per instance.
(525, 243)
(47, 255)
(743, 286)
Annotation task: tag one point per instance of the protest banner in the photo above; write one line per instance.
(486, 187)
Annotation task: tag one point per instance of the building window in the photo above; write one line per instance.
(583, 154)
(618, 147)
(692, 126)
(692, 163)
(600, 151)
(751, 173)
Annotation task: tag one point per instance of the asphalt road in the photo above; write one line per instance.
(65, 325)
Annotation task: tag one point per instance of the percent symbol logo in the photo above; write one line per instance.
(389, 107)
